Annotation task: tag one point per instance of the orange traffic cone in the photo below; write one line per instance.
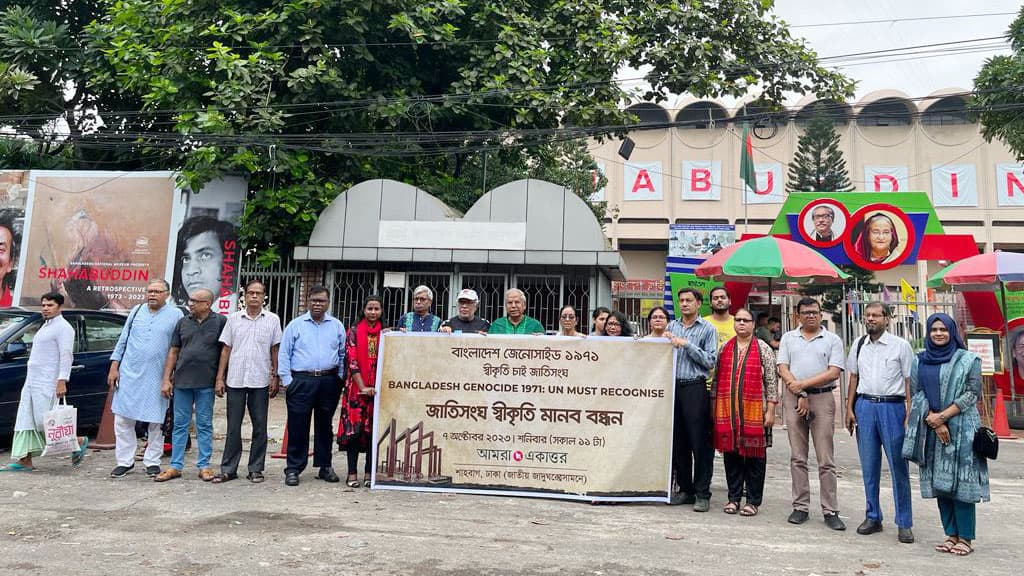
(105, 435)
(284, 445)
(1000, 425)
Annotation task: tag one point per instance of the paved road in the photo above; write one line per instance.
(60, 521)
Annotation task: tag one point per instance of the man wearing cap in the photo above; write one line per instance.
(466, 321)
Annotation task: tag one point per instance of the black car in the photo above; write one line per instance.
(96, 334)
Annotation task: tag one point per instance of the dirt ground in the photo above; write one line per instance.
(63, 521)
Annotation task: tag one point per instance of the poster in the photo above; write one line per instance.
(687, 280)
(206, 251)
(13, 190)
(699, 240)
(96, 237)
(525, 416)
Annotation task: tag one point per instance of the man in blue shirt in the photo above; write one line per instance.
(311, 364)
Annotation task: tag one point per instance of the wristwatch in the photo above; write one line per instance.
(802, 394)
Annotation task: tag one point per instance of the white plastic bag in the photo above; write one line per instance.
(61, 429)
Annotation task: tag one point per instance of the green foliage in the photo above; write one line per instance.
(999, 93)
(818, 164)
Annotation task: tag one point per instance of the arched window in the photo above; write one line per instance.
(702, 116)
(649, 114)
(948, 111)
(886, 112)
(838, 112)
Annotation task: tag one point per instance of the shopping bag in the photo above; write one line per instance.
(61, 429)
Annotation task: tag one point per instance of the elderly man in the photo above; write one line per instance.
(810, 361)
(877, 406)
(46, 381)
(248, 374)
(466, 321)
(516, 321)
(420, 319)
(189, 375)
(311, 363)
(135, 376)
(822, 217)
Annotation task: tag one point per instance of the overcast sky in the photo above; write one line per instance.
(918, 76)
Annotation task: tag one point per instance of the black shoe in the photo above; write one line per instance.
(327, 474)
(869, 526)
(152, 471)
(797, 517)
(291, 478)
(122, 471)
(906, 536)
(680, 498)
(832, 521)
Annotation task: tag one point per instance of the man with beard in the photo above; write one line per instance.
(876, 408)
(720, 317)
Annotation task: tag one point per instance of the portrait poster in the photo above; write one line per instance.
(206, 247)
(13, 191)
(699, 240)
(96, 237)
(542, 416)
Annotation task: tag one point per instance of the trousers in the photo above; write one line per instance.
(256, 401)
(800, 433)
(693, 455)
(880, 427)
(184, 400)
(311, 398)
(126, 442)
(744, 475)
(958, 518)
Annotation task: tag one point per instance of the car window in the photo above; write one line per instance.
(29, 334)
(101, 334)
(8, 319)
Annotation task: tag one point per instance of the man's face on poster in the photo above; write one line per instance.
(201, 263)
(822, 218)
(6, 238)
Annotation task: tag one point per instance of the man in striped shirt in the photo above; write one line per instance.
(248, 373)
(693, 455)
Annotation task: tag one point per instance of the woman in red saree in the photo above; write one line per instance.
(355, 429)
(745, 394)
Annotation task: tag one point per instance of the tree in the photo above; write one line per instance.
(818, 164)
(998, 93)
(832, 295)
(305, 97)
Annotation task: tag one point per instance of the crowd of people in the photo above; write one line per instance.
(731, 373)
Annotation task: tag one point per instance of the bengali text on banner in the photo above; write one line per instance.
(587, 419)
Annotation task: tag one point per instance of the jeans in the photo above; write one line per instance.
(184, 400)
(880, 426)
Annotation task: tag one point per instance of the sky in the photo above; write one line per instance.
(916, 77)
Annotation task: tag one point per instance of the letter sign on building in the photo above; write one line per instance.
(886, 179)
(954, 185)
(642, 181)
(702, 180)
(770, 187)
(1010, 184)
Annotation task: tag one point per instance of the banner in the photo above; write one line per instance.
(1010, 184)
(525, 416)
(954, 185)
(702, 180)
(886, 179)
(13, 191)
(770, 187)
(641, 182)
(678, 281)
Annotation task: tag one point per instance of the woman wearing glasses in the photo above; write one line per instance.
(617, 325)
(567, 322)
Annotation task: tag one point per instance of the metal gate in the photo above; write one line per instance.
(349, 290)
(440, 283)
(543, 297)
(907, 318)
(283, 281)
(490, 288)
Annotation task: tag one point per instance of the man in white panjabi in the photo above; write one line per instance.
(46, 382)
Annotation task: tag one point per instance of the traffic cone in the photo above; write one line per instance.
(284, 445)
(1000, 425)
(105, 435)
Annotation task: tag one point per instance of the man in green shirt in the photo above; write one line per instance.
(516, 321)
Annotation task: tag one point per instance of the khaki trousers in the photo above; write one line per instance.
(800, 432)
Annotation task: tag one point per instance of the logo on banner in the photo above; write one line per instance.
(702, 180)
(954, 185)
(770, 189)
(642, 182)
(880, 237)
(886, 178)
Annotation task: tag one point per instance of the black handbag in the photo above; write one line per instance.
(986, 443)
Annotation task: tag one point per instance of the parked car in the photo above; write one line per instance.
(96, 334)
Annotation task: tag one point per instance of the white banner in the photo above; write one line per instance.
(641, 181)
(886, 179)
(1010, 184)
(954, 185)
(770, 186)
(702, 180)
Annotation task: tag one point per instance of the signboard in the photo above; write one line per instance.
(682, 280)
(988, 347)
(688, 246)
(642, 182)
(525, 416)
(13, 190)
(770, 186)
(702, 180)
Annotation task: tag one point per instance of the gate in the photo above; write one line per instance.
(283, 281)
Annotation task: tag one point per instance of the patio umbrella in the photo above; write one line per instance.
(986, 272)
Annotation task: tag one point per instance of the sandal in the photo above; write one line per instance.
(962, 548)
(222, 478)
(731, 508)
(78, 455)
(749, 510)
(255, 477)
(366, 483)
(352, 481)
(16, 467)
(947, 545)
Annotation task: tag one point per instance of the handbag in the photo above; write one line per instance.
(61, 429)
(986, 443)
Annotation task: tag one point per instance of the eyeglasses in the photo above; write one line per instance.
(318, 301)
(155, 291)
(612, 325)
(194, 301)
(743, 320)
(810, 313)
(659, 317)
(421, 298)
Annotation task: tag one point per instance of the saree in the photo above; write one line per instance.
(739, 402)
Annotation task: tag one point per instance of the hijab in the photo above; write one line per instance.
(934, 356)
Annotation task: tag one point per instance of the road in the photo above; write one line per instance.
(63, 521)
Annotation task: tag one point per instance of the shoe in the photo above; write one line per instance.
(680, 498)
(152, 471)
(169, 474)
(327, 474)
(797, 517)
(702, 505)
(291, 478)
(121, 471)
(832, 521)
(906, 536)
(869, 526)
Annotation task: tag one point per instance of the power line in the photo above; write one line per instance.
(895, 20)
